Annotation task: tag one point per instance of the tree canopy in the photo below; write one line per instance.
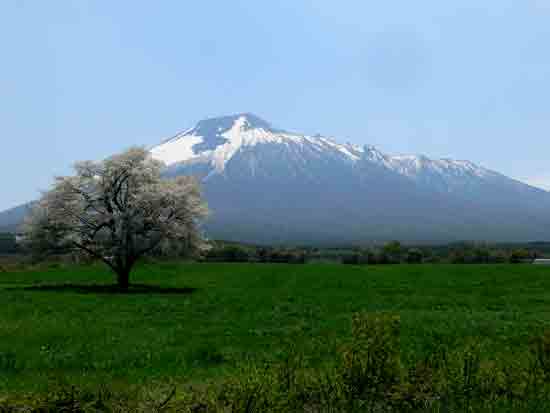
(118, 210)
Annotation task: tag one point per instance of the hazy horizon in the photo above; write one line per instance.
(84, 80)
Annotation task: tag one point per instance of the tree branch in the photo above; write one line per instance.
(96, 255)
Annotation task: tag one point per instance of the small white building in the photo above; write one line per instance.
(541, 261)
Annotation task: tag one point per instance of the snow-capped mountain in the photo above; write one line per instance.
(270, 185)
(213, 143)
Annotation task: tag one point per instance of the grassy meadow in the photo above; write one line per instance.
(207, 320)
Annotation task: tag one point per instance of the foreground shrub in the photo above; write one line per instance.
(371, 363)
(369, 377)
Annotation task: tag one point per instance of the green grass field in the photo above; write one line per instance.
(211, 318)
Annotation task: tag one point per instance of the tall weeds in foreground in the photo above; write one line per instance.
(368, 377)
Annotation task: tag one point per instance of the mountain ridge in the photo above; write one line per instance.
(213, 140)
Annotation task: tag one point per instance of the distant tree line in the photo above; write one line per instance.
(392, 252)
(458, 253)
(240, 253)
(8, 243)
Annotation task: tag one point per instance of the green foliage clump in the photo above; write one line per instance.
(378, 257)
(228, 253)
(415, 256)
(371, 363)
(287, 256)
(519, 255)
(394, 251)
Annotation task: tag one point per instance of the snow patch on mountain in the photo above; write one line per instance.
(413, 165)
(176, 149)
(216, 141)
(223, 140)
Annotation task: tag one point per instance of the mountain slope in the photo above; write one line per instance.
(268, 185)
(12, 218)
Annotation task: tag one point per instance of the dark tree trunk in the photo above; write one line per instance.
(123, 278)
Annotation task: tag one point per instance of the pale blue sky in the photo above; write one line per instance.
(464, 79)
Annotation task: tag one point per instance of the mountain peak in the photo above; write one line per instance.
(216, 139)
(224, 123)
